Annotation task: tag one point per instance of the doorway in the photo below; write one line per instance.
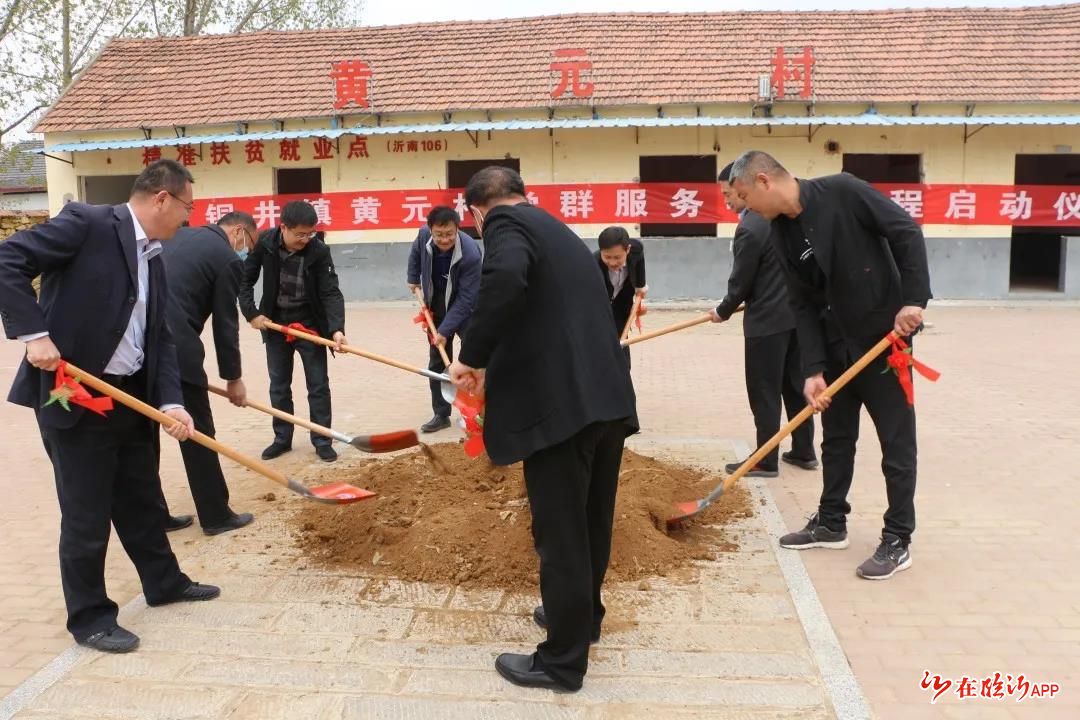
(1037, 255)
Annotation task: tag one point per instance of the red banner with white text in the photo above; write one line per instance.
(667, 203)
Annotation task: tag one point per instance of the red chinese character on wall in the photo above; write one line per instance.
(797, 71)
(290, 150)
(412, 146)
(254, 149)
(571, 69)
(324, 149)
(358, 148)
(185, 155)
(219, 153)
(399, 146)
(350, 83)
(151, 154)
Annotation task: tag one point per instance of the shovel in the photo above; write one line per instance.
(686, 510)
(384, 443)
(672, 328)
(431, 326)
(449, 392)
(339, 493)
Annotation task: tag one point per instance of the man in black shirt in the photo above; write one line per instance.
(856, 268)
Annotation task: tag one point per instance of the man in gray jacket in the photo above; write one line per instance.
(444, 263)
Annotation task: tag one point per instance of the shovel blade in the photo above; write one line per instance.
(684, 511)
(386, 442)
(340, 493)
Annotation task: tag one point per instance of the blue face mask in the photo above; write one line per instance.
(242, 253)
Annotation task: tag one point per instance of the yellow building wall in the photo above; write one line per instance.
(594, 155)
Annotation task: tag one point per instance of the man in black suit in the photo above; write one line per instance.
(203, 269)
(559, 397)
(856, 269)
(622, 265)
(299, 285)
(770, 345)
(102, 306)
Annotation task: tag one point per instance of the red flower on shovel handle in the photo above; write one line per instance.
(900, 361)
(69, 390)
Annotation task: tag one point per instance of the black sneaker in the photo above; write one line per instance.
(890, 558)
(435, 424)
(800, 462)
(757, 471)
(326, 453)
(815, 535)
(114, 640)
(275, 449)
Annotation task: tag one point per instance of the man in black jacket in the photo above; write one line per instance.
(102, 307)
(203, 268)
(770, 348)
(444, 264)
(559, 397)
(622, 265)
(300, 285)
(856, 268)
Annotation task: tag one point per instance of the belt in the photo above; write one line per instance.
(125, 382)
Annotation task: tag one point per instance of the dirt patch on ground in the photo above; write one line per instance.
(440, 516)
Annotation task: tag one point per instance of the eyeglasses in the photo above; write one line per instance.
(187, 206)
(445, 236)
(302, 235)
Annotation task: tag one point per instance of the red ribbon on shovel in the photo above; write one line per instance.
(68, 390)
(422, 322)
(471, 408)
(300, 328)
(901, 360)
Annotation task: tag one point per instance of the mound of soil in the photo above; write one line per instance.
(441, 516)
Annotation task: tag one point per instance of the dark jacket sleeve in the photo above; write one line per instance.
(226, 323)
(29, 253)
(504, 280)
(468, 286)
(330, 296)
(413, 274)
(808, 324)
(168, 365)
(905, 238)
(750, 240)
(248, 277)
(637, 275)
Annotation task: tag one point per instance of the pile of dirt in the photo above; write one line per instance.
(441, 516)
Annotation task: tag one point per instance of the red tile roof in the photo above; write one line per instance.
(948, 55)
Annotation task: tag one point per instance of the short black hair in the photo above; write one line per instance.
(164, 174)
(612, 236)
(725, 174)
(441, 214)
(494, 182)
(299, 214)
(237, 217)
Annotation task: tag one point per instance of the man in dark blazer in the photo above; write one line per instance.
(770, 345)
(621, 260)
(102, 306)
(856, 268)
(444, 264)
(299, 285)
(203, 269)
(559, 397)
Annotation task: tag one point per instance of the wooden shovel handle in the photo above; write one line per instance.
(347, 348)
(157, 416)
(431, 324)
(280, 414)
(803, 415)
(672, 328)
(633, 314)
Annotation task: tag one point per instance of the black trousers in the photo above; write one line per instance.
(774, 372)
(571, 488)
(279, 363)
(202, 465)
(436, 364)
(106, 471)
(894, 421)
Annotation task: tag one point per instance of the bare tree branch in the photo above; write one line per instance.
(10, 17)
(19, 122)
(105, 15)
(246, 18)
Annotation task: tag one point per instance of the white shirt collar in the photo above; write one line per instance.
(147, 246)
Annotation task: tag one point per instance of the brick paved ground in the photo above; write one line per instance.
(991, 589)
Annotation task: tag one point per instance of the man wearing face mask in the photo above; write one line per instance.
(203, 266)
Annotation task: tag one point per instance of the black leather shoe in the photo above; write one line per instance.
(178, 522)
(194, 592)
(756, 471)
(326, 453)
(113, 640)
(540, 618)
(435, 424)
(804, 463)
(275, 449)
(518, 669)
(233, 523)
